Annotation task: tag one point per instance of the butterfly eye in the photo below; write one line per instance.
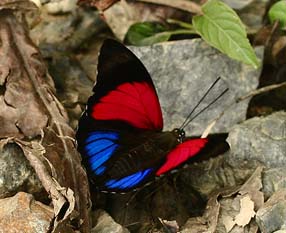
(180, 134)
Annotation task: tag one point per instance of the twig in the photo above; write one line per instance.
(179, 4)
(250, 94)
(261, 90)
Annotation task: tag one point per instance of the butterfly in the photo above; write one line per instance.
(120, 133)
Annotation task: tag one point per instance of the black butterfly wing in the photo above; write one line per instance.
(120, 116)
(120, 158)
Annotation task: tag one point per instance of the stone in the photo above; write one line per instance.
(182, 72)
(274, 179)
(65, 32)
(16, 174)
(271, 217)
(259, 141)
(21, 213)
(262, 139)
(105, 224)
(74, 85)
(237, 4)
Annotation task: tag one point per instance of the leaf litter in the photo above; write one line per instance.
(33, 118)
(230, 210)
(46, 139)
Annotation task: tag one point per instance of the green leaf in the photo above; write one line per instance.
(148, 33)
(221, 27)
(278, 12)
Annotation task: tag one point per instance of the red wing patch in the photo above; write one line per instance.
(133, 102)
(181, 153)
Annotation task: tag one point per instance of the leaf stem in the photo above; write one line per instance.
(181, 23)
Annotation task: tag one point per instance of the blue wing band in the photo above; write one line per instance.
(100, 145)
(128, 181)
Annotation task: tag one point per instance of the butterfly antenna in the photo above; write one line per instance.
(186, 122)
(217, 98)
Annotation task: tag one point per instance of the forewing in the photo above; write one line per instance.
(124, 90)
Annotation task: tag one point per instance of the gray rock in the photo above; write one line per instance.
(182, 72)
(105, 224)
(262, 139)
(255, 142)
(214, 174)
(74, 85)
(272, 216)
(237, 4)
(15, 172)
(274, 179)
(65, 32)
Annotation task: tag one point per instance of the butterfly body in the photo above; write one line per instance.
(120, 134)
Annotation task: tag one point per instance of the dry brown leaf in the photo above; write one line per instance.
(17, 5)
(212, 212)
(32, 117)
(236, 212)
(228, 223)
(246, 211)
(208, 222)
(171, 225)
(101, 5)
(279, 50)
(123, 14)
(250, 198)
(184, 5)
(252, 187)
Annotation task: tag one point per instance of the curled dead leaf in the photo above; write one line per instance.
(246, 211)
(101, 5)
(25, 5)
(222, 212)
(32, 117)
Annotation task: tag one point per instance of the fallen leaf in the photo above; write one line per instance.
(253, 187)
(32, 117)
(184, 5)
(123, 14)
(222, 211)
(18, 5)
(101, 5)
(228, 223)
(246, 211)
(172, 226)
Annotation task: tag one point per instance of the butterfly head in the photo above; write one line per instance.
(180, 134)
